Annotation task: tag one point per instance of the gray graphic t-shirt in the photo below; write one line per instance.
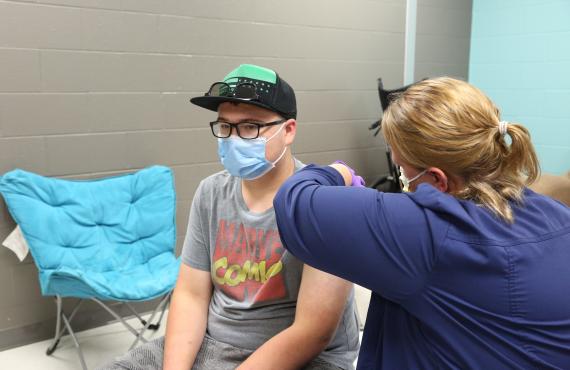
(256, 281)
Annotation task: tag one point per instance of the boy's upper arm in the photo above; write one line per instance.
(196, 251)
(321, 301)
(194, 282)
(384, 242)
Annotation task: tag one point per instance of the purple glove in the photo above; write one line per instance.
(357, 181)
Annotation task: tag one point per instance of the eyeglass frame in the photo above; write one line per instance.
(233, 90)
(236, 126)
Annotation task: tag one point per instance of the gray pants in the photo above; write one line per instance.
(213, 355)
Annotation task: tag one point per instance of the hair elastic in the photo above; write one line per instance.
(503, 127)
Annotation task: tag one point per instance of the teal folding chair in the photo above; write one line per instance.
(109, 239)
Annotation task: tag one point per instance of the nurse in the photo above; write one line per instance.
(469, 269)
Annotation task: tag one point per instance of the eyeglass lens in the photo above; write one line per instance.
(244, 130)
(242, 91)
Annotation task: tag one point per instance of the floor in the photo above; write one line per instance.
(99, 345)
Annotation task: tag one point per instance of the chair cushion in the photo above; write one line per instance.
(112, 238)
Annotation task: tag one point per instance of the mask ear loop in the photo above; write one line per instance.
(406, 182)
(284, 149)
(415, 177)
(275, 134)
(280, 156)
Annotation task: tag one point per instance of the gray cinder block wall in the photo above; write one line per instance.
(90, 88)
(443, 38)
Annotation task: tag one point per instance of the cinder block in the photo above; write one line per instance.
(555, 50)
(6, 287)
(334, 135)
(316, 106)
(7, 260)
(43, 114)
(441, 21)
(208, 69)
(376, 16)
(188, 178)
(438, 49)
(179, 113)
(25, 314)
(20, 70)
(361, 14)
(175, 34)
(334, 74)
(148, 6)
(336, 44)
(65, 71)
(554, 159)
(103, 30)
(430, 70)
(453, 4)
(551, 105)
(541, 17)
(25, 153)
(179, 73)
(367, 162)
(19, 27)
(555, 136)
(59, 27)
(141, 72)
(105, 71)
(83, 71)
(124, 112)
(103, 4)
(173, 147)
(76, 154)
(26, 284)
(140, 32)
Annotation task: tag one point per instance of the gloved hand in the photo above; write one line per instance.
(357, 181)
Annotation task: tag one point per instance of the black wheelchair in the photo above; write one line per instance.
(390, 181)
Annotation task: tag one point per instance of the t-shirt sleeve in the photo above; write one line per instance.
(195, 251)
(380, 241)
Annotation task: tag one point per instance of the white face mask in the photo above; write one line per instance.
(406, 182)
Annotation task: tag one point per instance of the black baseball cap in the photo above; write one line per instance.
(269, 91)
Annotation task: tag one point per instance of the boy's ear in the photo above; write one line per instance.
(290, 130)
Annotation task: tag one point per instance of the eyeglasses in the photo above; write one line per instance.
(245, 130)
(245, 91)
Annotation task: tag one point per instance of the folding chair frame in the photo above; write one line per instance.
(63, 323)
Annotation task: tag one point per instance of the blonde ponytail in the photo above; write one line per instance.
(450, 124)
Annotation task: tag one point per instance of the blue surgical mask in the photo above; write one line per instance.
(406, 182)
(246, 158)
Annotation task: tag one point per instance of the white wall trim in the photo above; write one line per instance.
(410, 41)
